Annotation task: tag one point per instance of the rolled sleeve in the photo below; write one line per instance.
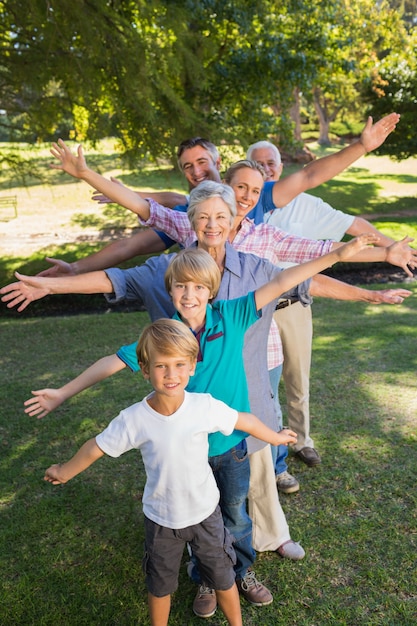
(118, 281)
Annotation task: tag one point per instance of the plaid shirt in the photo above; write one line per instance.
(264, 240)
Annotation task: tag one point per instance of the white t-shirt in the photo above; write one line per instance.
(180, 489)
(311, 217)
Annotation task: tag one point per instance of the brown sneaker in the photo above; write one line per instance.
(255, 592)
(205, 602)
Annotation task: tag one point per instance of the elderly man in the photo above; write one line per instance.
(306, 216)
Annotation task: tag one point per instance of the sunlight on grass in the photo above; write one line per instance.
(396, 397)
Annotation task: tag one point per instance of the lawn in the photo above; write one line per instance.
(72, 554)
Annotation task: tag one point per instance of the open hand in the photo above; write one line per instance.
(374, 135)
(72, 164)
(390, 296)
(28, 289)
(43, 402)
(59, 268)
(402, 255)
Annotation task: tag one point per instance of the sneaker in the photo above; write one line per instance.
(309, 456)
(291, 550)
(255, 592)
(205, 602)
(287, 483)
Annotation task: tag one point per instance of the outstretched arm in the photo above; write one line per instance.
(166, 198)
(31, 288)
(76, 166)
(328, 287)
(321, 170)
(145, 241)
(398, 253)
(86, 456)
(249, 423)
(289, 278)
(361, 225)
(46, 400)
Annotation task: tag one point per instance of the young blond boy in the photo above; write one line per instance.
(180, 501)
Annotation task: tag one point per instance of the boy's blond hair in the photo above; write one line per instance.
(196, 265)
(168, 337)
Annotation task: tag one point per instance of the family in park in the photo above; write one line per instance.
(230, 314)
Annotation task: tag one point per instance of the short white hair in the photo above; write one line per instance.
(210, 189)
(263, 144)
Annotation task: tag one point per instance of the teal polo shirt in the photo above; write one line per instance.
(220, 369)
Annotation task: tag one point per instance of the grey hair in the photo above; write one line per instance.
(210, 189)
(263, 144)
(197, 141)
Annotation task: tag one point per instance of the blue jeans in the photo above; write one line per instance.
(279, 453)
(232, 473)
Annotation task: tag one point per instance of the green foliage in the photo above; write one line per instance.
(393, 87)
(152, 73)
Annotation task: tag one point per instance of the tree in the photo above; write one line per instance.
(211, 68)
(152, 72)
(393, 87)
(341, 40)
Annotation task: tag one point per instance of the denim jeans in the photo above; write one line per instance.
(279, 453)
(232, 474)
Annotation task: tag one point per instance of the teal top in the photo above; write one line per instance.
(220, 370)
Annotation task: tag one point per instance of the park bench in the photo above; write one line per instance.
(8, 208)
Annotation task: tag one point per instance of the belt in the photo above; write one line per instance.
(284, 302)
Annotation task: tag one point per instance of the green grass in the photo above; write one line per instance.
(72, 554)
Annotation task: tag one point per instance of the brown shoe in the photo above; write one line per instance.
(255, 592)
(309, 456)
(205, 602)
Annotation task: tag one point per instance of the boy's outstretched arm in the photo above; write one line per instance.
(321, 170)
(289, 278)
(63, 472)
(76, 166)
(46, 400)
(249, 423)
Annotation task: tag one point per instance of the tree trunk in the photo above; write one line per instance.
(324, 121)
(295, 114)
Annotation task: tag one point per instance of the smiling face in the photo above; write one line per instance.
(169, 375)
(212, 223)
(247, 185)
(197, 165)
(190, 299)
(268, 159)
